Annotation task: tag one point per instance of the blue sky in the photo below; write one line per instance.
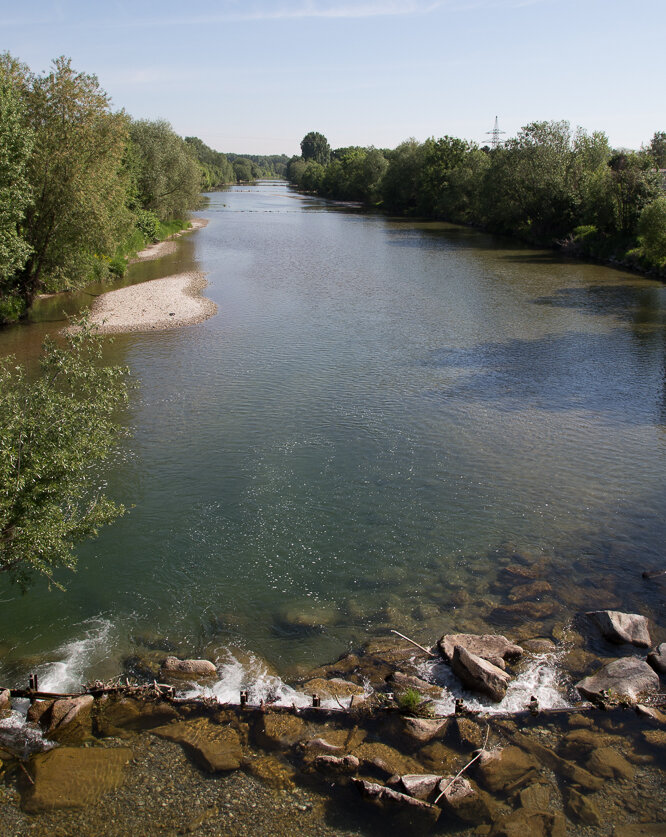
(255, 76)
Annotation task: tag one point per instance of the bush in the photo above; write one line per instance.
(652, 231)
(409, 701)
(12, 308)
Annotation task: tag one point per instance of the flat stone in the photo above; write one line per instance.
(119, 713)
(621, 627)
(335, 687)
(336, 764)
(569, 769)
(464, 734)
(308, 615)
(494, 648)
(582, 809)
(655, 737)
(657, 658)
(506, 769)
(70, 719)
(627, 677)
(214, 748)
(539, 645)
(436, 756)
(609, 764)
(175, 669)
(524, 822)
(411, 812)
(478, 674)
(386, 759)
(460, 798)
(419, 785)
(272, 772)
(73, 777)
(418, 731)
(532, 590)
(535, 796)
(278, 730)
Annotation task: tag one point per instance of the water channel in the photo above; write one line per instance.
(380, 413)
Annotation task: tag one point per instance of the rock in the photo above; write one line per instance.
(622, 627)
(70, 719)
(627, 677)
(580, 720)
(578, 661)
(5, 703)
(37, 710)
(651, 712)
(516, 574)
(419, 785)
(385, 759)
(478, 674)
(539, 645)
(417, 731)
(408, 811)
(556, 763)
(278, 730)
(400, 683)
(609, 764)
(655, 737)
(272, 772)
(175, 669)
(641, 829)
(437, 756)
(464, 801)
(525, 822)
(494, 648)
(657, 658)
(336, 764)
(308, 615)
(532, 610)
(505, 770)
(212, 747)
(464, 734)
(536, 797)
(524, 592)
(582, 809)
(114, 713)
(332, 688)
(73, 777)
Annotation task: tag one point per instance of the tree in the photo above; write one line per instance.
(164, 168)
(52, 431)
(243, 169)
(16, 141)
(652, 231)
(78, 179)
(658, 149)
(314, 146)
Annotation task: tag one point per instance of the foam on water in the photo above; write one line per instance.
(73, 660)
(19, 737)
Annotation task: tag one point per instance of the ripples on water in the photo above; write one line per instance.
(377, 410)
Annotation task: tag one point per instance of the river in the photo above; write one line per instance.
(380, 415)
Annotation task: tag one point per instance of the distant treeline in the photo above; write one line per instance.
(82, 188)
(548, 185)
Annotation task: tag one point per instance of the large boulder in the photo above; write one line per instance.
(478, 674)
(405, 811)
(657, 658)
(621, 627)
(70, 719)
(627, 677)
(174, 669)
(73, 777)
(492, 647)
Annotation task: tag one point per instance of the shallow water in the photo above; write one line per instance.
(381, 414)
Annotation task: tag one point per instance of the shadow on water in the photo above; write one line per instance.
(639, 305)
(569, 371)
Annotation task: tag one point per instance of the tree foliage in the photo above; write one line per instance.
(314, 146)
(52, 431)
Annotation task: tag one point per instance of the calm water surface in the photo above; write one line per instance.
(378, 408)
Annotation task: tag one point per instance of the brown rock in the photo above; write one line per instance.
(478, 674)
(272, 772)
(535, 796)
(70, 719)
(73, 777)
(406, 811)
(386, 759)
(524, 822)
(582, 809)
(609, 764)
(335, 687)
(506, 769)
(462, 799)
(655, 737)
(437, 756)
(465, 734)
(116, 713)
(532, 590)
(527, 610)
(277, 730)
(516, 574)
(336, 764)
(626, 677)
(416, 731)
(640, 829)
(621, 627)
(539, 645)
(5, 703)
(400, 683)
(37, 710)
(657, 658)
(556, 763)
(214, 748)
(419, 785)
(494, 648)
(175, 669)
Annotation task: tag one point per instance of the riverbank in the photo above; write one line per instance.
(168, 245)
(170, 302)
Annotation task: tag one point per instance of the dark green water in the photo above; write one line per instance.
(376, 409)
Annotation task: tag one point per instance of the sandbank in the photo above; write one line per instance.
(170, 302)
(168, 246)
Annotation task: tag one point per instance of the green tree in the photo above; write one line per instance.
(78, 179)
(658, 149)
(52, 431)
(314, 146)
(400, 185)
(16, 141)
(164, 168)
(243, 169)
(652, 231)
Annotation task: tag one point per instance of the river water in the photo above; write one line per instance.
(380, 415)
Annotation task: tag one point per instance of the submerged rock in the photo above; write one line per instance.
(621, 627)
(417, 731)
(494, 648)
(410, 811)
(69, 720)
(627, 677)
(336, 764)
(478, 674)
(272, 772)
(525, 822)
(117, 713)
(657, 658)
(212, 747)
(175, 669)
(461, 798)
(419, 785)
(72, 777)
(278, 730)
(400, 683)
(505, 770)
(385, 759)
(335, 687)
(609, 764)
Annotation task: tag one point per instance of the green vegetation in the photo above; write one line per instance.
(258, 167)
(409, 701)
(548, 185)
(52, 430)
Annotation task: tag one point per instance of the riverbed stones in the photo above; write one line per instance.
(307, 616)
(118, 713)
(609, 764)
(414, 732)
(657, 658)
(582, 809)
(212, 747)
(385, 760)
(69, 719)
(626, 677)
(406, 810)
(335, 687)
(525, 822)
(464, 734)
(436, 756)
(336, 765)
(175, 669)
(531, 590)
(400, 683)
(621, 628)
(73, 777)
(419, 785)
(494, 648)
(505, 770)
(539, 645)
(279, 731)
(478, 674)
(460, 798)
(272, 772)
